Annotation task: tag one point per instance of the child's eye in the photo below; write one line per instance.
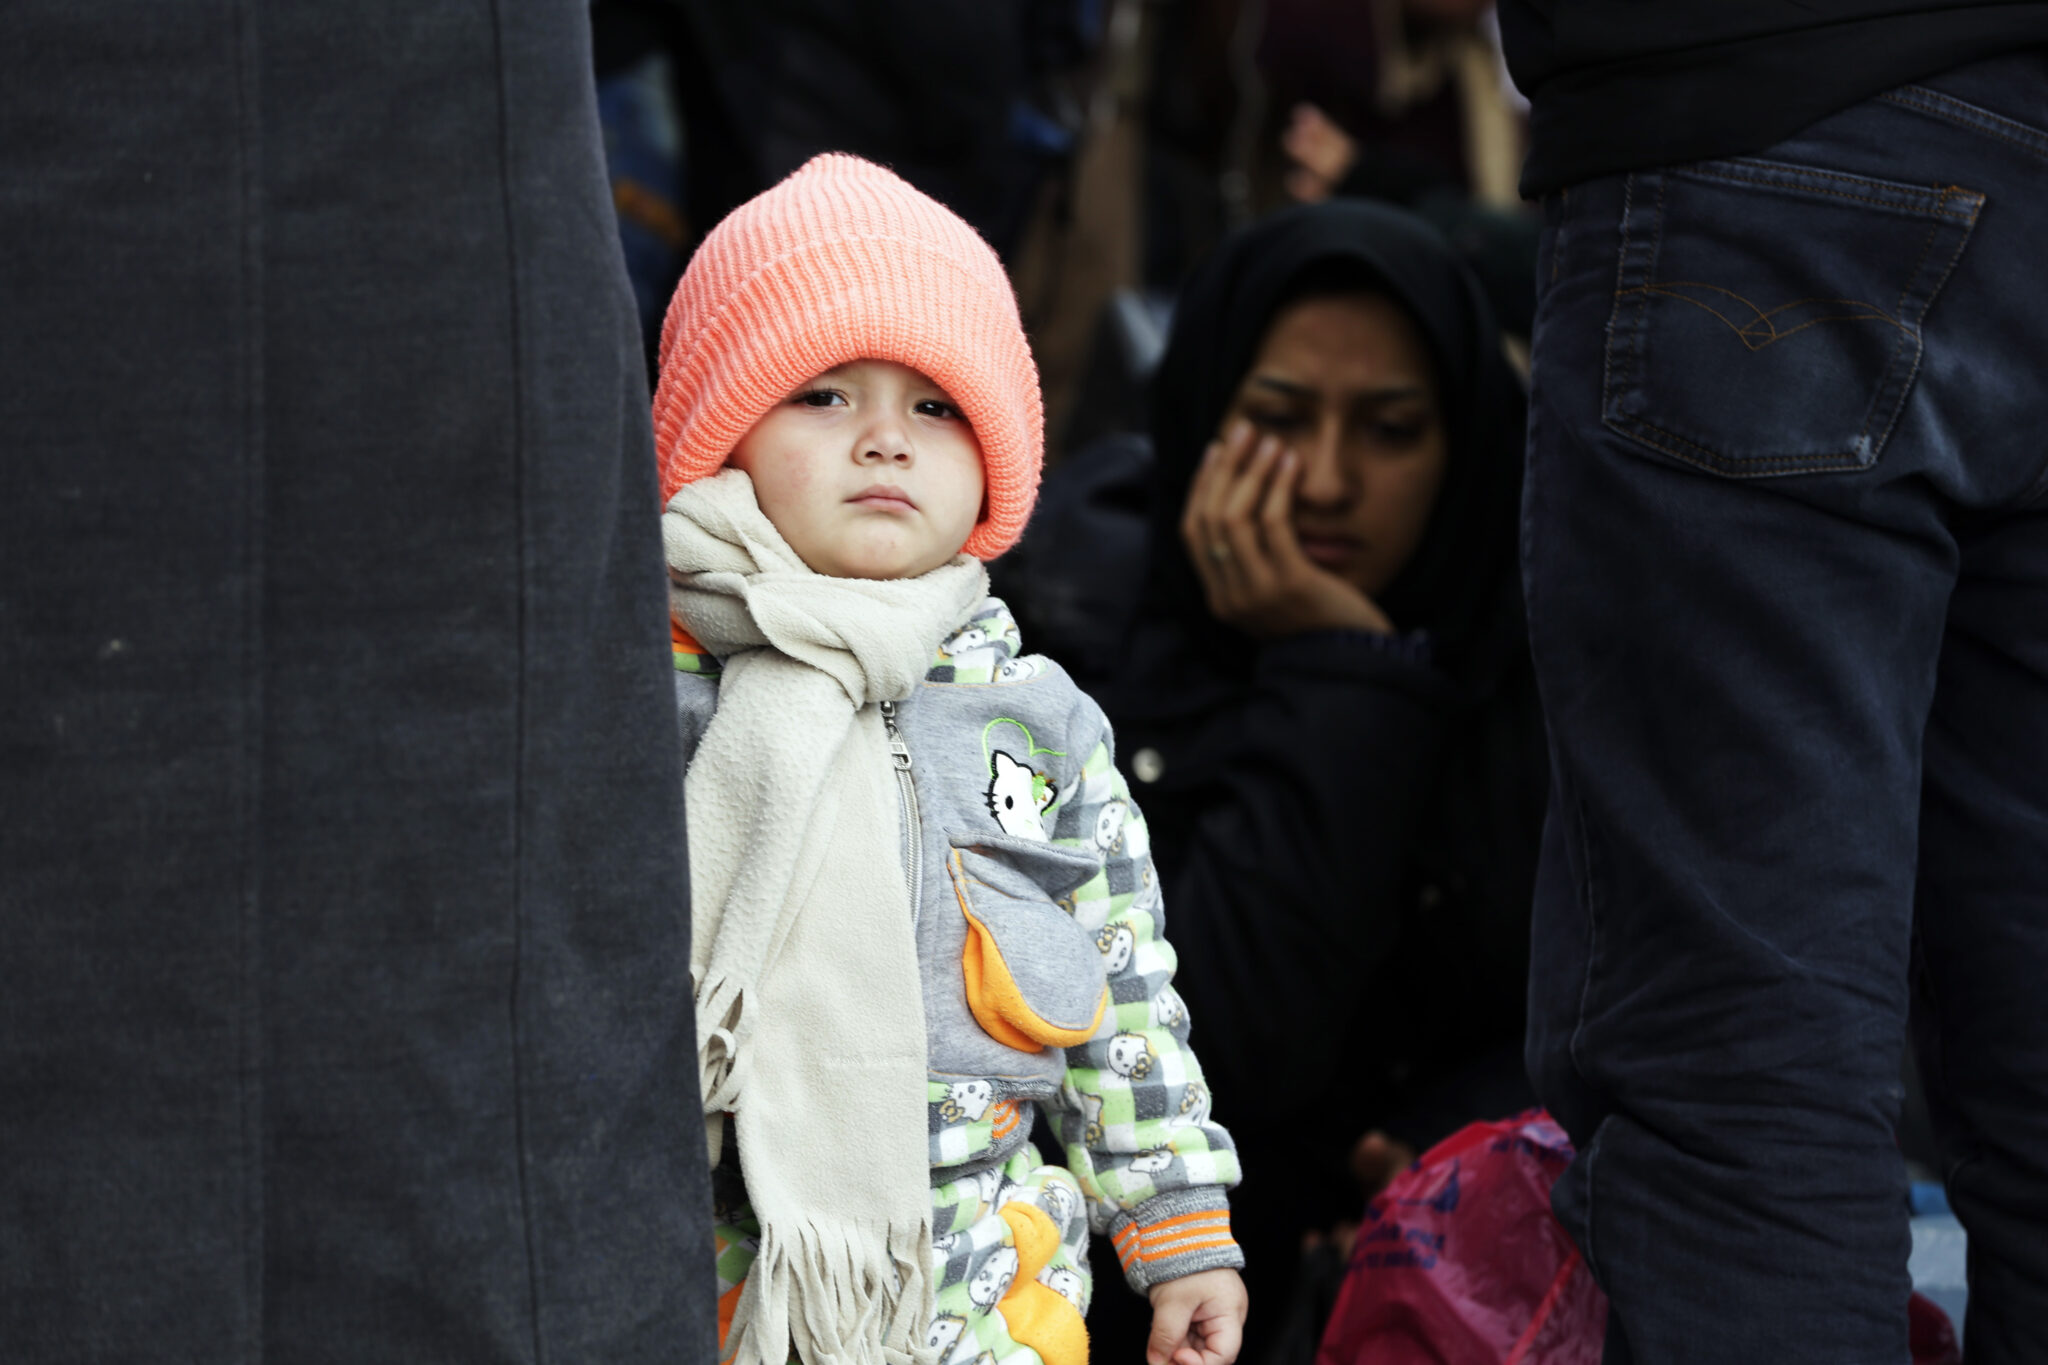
(934, 407)
(820, 398)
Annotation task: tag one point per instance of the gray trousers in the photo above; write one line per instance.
(344, 934)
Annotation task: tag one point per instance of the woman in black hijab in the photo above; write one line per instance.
(1327, 711)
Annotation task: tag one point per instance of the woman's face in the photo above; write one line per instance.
(1346, 382)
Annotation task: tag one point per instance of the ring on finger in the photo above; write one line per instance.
(1218, 551)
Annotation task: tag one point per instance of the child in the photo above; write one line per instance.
(922, 902)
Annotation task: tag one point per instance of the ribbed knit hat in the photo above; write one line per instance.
(845, 261)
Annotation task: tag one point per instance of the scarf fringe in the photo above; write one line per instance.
(823, 1291)
(792, 824)
(721, 1019)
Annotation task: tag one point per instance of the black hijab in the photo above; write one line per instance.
(1460, 586)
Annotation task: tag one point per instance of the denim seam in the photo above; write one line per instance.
(1963, 114)
(1933, 292)
(249, 1018)
(1942, 193)
(1650, 269)
(1884, 382)
(1589, 1250)
(522, 1151)
(1592, 941)
(1614, 318)
(1564, 206)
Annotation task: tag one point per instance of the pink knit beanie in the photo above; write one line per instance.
(845, 261)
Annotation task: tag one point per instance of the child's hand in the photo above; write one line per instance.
(1197, 1319)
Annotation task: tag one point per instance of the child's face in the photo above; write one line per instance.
(868, 471)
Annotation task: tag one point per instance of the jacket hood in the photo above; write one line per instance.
(1459, 585)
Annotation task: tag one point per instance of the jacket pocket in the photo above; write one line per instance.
(1767, 317)
(1034, 978)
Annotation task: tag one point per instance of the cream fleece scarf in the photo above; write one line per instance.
(810, 1018)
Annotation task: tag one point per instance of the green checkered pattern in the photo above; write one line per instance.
(704, 664)
(737, 1242)
(1133, 1110)
(1136, 1112)
(985, 649)
(974, 1260)
(973, 1255)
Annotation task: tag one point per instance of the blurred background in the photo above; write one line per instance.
(1102, 146)
(1105, 148)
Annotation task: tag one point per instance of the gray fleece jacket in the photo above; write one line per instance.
(1041, 943)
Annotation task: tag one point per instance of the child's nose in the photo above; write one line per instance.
(886, 441)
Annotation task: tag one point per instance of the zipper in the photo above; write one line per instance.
(906, 796)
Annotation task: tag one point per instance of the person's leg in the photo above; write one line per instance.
(479, 1083)
(1982, 920)
(129, 1181)
(1734, 681)
(1757, 403)
(344, 1010)
(1980, 1013)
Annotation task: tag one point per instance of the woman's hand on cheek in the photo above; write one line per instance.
(1238, 527)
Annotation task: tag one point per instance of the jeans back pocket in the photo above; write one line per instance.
(1767, 317)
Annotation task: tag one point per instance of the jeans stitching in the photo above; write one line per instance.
(1702, 458)
(1943, 192)
(1713, 168)
(1592, 1161)
(1564, 206)
(1949, 109)
(1638, 322)
(1667, 288)
(1888, 385)
(1715, 462)
(1933, 292)
(1582, 829)
(1592, 941)
(1650, 268)
(1614, 320)
(1879, 399)
(1621, 367)
(518, 986)
(248, 1017)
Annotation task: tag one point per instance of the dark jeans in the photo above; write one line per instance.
(1786, 549)
(344, 936)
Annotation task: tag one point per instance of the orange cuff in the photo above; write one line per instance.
(1187, 1231)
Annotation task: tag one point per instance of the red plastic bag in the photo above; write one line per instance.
(1459, 1261)
(1933, 1335)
